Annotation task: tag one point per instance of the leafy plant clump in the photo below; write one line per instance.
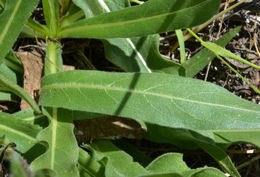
(159, 94)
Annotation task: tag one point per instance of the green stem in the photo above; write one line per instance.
(53, 59)
(236, 58)
(235, 71)
(194, 35)
(218, 50)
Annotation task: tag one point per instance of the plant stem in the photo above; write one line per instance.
(235, 71)
(194, 35)
(53, 59)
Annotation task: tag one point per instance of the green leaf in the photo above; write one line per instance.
(12, 69)
(51, 15)
(218, 50)
(71, 16)
(131, 54)
(194, 65)
(226, 138)
(168, 163)
(12, 87)
(44, 173)
(122, 52)
(34, 29)
(90, 8)
(171, 164)
(13, 63)
(2, 5)
(88, 165)
(179, 35)
(164, 175)
(5, 96)
(191, 139)
(29, 116)
(139, 55)
(62, 153)
(17, 131)
(12, 19)
(149, 18)
(65, 4)
(161, 99)
(8, 73)
(212, 172)
(117, 162)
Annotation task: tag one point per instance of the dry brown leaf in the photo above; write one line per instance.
(33, 70)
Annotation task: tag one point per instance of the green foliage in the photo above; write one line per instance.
(22, 133)
(12, 19)
(148, 18)
(176, 110)
(156, 98)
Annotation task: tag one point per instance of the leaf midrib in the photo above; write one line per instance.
(121, 23)
(53, 135)
(141, 92)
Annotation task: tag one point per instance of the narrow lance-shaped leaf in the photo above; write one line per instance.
(156, 98)
(226, 138)
(191, 67)
(218, 50)
(138, 54)
(182, 45)
(172, 164)
(123, 52)
(12, 20)
(149, 18)
(51, 14)
(19, 132)
(192, 139)
(12, 87)
(62, 153)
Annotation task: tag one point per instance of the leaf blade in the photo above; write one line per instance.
(144, 96)
(10, 86)
(12, 19)
(148, 18)
(19, 132)
(54, 158)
